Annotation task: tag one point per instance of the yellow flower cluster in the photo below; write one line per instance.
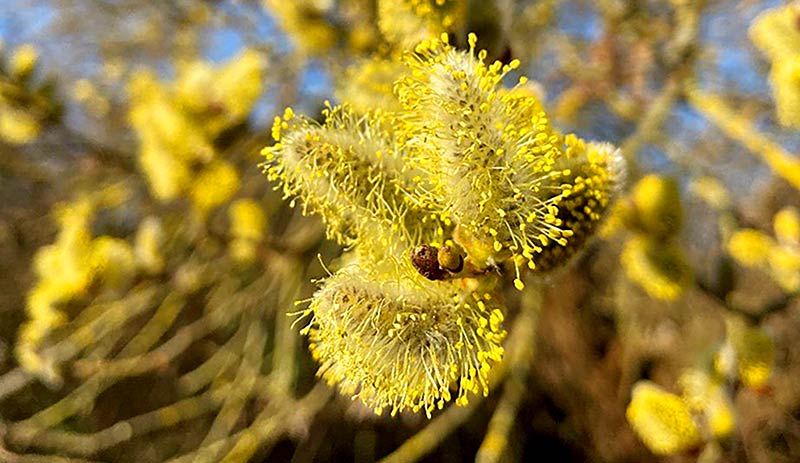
(662, 420)
(711, 191)
(368, 84)
(707, 396)
(659, 268)
(317, 26)
(304, 21)
(349, 171)
(247, 226)
(67, 269)
(23, 61)
(452, 159)
(220, 98)
(18, 123)
(670, 424)
(779, 256)
(215, 184)
(17, 126)
(147, 245)
(398, 341)
(177, 125)
(492, 162)
(404, 23)
(776, 33)
(748, 354)
(651, 257)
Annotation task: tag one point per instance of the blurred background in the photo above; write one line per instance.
(147, 266)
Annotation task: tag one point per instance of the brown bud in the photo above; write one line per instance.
(425, 260)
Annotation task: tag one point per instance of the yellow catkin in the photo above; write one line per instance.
(662, 420)
(754, 351)
(17, 126)
(247, 219)
(65, 271)
(147, 245)
(657, 205)
(784, 266)
(114, 261)
(779, 258)
(177, 122)
(712, 191)
(385, 334)
(494, 163)
(367, 84)
(453, 157)
(786, 224)
(213, 186)
(305, 23)
(404, 23)
(247, 228)
(348, 170)
(775, 33)
(708, 396)
(657, 267)
(221, 97)
(750, 247)
(23, 61)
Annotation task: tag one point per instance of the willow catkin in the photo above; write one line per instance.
(662, 420)
(348, 171)
(494, 164)
(397, 341)
(456, 163)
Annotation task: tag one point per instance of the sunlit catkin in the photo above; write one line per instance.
(397, 341)
(659, 268)
(305, 23)
(662, 420)
(23, 61)
(656, 204)
(347, 171)
(247, 228)
(592, 173)
(786, 224)
(779, 256)
(367, 84)
(776, 34)
(754, 351)
(215, 184)
(404, 23)
(706, 394)
(495, 166)
(452, 176)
